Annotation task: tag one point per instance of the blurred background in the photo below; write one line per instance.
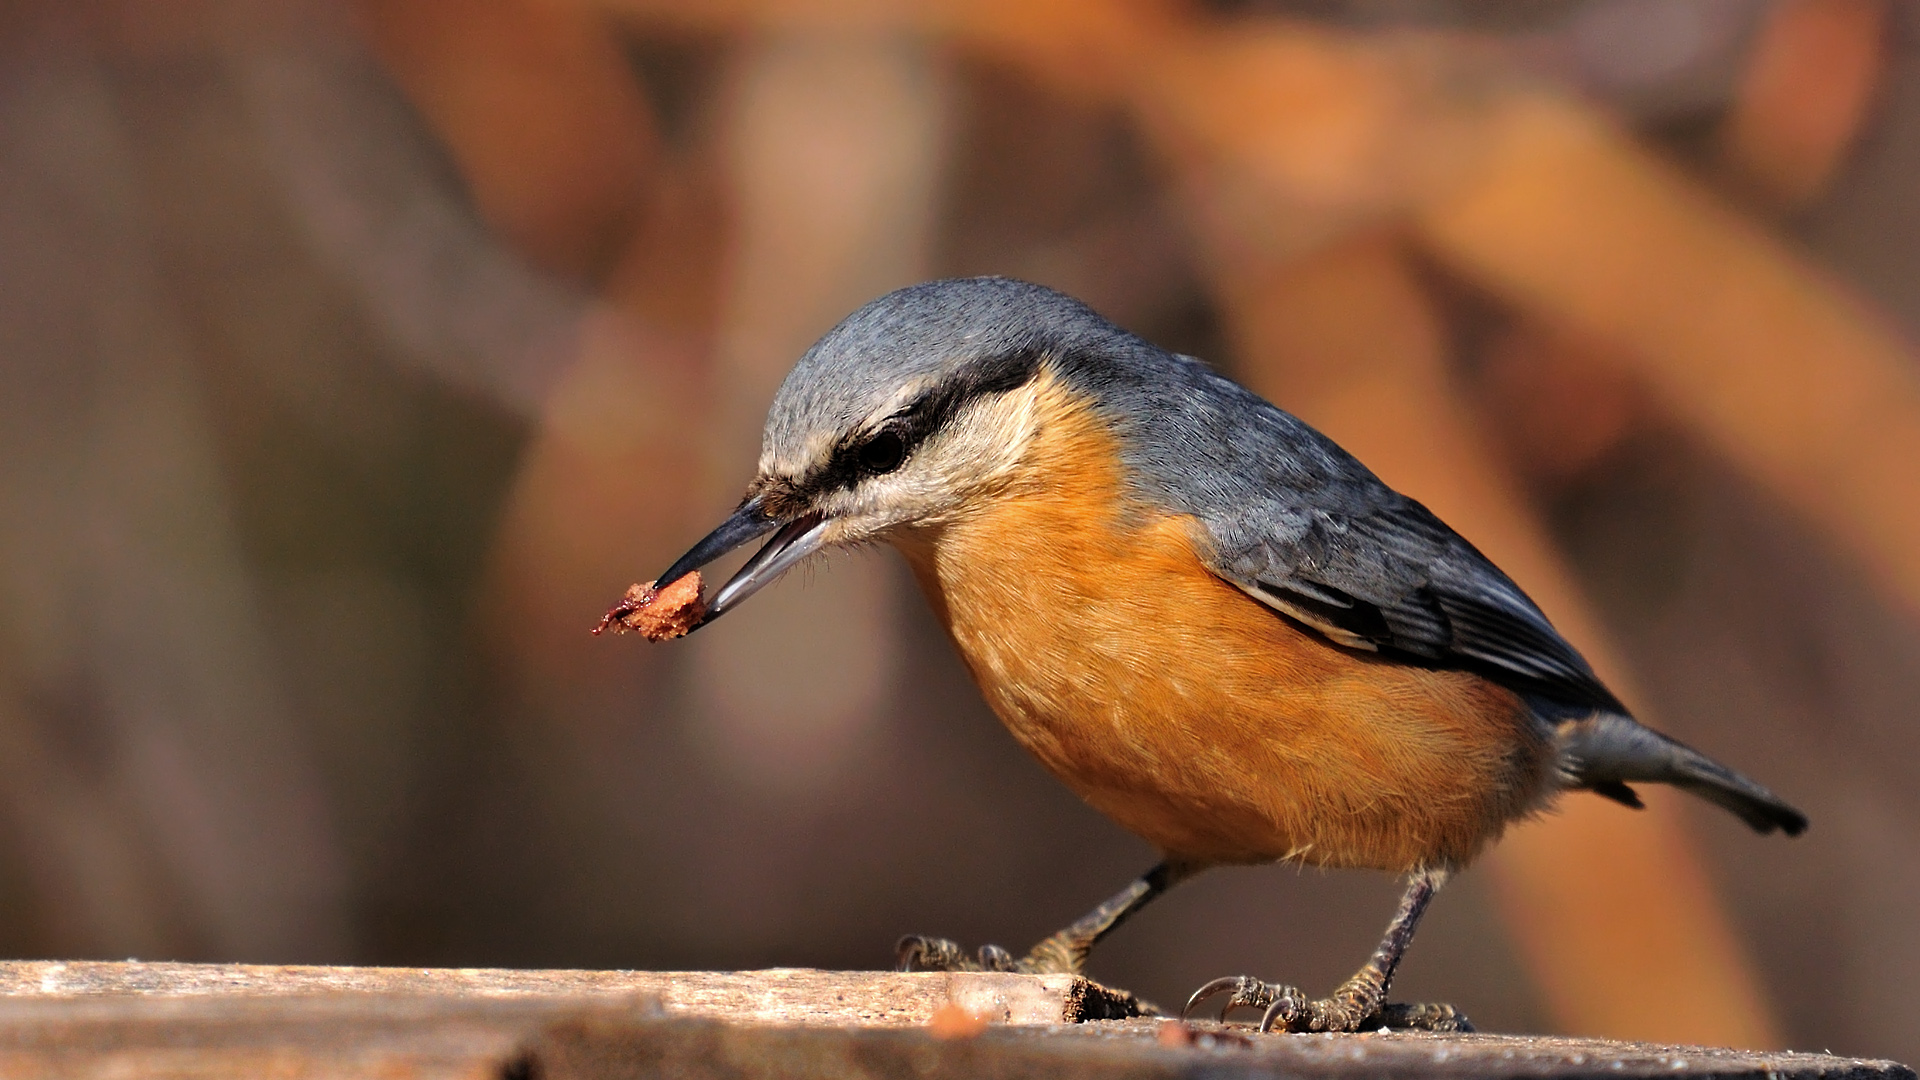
(354, 356)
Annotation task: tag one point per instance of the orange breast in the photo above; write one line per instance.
(1190, 713)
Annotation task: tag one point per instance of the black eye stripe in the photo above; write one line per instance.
(938, 407)
(920, 419)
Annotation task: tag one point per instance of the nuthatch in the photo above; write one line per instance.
(1208, 620)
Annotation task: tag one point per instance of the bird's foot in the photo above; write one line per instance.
(1351, 1008)
(916, 952)
(919, 953)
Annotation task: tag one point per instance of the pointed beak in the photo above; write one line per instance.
(792, 542)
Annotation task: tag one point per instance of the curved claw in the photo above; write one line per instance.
(916, 952)
(995, 958)
(1247, 991)
(1217, 986)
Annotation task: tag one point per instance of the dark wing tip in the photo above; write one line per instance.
(1762, 810)
(1787, 819)
(1618, 792)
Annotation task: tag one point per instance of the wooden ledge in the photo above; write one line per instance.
(784, 996)
(95, 1019)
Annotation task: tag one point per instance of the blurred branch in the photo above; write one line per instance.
(541, 111)
(1556, 401)
(1765, 357)
(1814, 73)
(549, 126)
(89, 877)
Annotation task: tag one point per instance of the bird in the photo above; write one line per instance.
(1208, 620)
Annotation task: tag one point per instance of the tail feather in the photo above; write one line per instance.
(1606, 750)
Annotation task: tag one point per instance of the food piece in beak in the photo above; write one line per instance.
(676, 608)
(658, 614)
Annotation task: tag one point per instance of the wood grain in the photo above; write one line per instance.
(94, 1020)
(775, 996)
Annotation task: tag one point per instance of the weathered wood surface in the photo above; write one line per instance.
(775, 996)
(98, 1020)
(1135, 1049)
(293, 1037)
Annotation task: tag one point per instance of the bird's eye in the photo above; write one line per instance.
(883, 453)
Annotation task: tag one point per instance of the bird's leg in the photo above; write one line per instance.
(1064, 952)
(1360, 1002)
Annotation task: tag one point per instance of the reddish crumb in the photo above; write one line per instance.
(950, 1021)
(1174, 1033)
(658, 614)
(1181, 1035)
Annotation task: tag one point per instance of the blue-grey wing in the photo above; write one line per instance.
(1300, 525)
(1377, 570)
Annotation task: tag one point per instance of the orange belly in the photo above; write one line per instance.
(1193, 715)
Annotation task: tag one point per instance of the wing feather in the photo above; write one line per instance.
(1394, 579)
(1304, 528)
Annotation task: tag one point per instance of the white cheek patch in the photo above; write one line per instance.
(986, 442)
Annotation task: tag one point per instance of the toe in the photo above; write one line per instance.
(1288, 1010)
(916, 952)
(1401, 1016)
(995, 958)
(1243, 991)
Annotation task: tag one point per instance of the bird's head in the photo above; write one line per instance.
(912, 411)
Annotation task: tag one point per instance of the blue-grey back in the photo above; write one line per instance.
(1286, 513)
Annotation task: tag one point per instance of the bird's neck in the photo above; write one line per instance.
(1043, 521)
